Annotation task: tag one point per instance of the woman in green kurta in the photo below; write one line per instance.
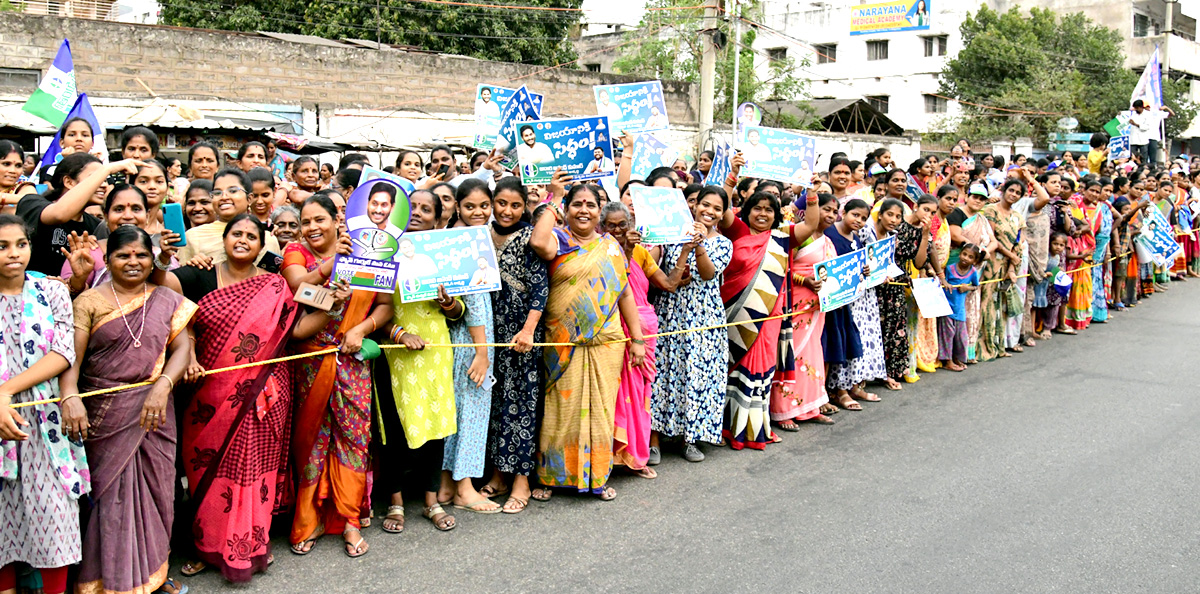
(421, 406)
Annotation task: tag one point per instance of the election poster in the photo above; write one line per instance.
(581, 147)
(931, 299)
(632, 107)
(650, 153)
(376, 215)
(462, 259)
(662, 215)
(518, 108)
(489, 101)
(1118, 148)
(840, 278)
(1156, 239)
(779, 155)
(880, 262)
(722, 163)
(893, 15)
(370, 174)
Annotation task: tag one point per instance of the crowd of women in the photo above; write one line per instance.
(120, 446)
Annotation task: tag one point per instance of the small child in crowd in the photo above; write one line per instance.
(963, 278)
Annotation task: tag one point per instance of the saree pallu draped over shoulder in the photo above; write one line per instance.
(576, 445)
(237, 426)
(127, 532)
(333, 421)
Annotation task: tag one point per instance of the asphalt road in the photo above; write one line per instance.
(1070, 468)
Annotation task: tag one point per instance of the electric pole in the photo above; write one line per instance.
(708, 68)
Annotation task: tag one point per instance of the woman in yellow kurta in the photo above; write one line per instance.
(419, 410)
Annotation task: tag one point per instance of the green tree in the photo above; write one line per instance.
(667, 46)
(1042, 67)
(509, 35)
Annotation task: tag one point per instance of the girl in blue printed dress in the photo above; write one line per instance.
(689, 390)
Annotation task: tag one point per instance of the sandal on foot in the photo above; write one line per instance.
(514, 505)
(489, 491)
(445, 523)
(828, 409)
(646, 473)
(865, 396)
(542, 494)
(820, 419)
(170, 583)
(356, 549)
(608, 494)
(893, 385)
(774, 438)
(846, 402)
(474, 507)
(192, 568)
(311, 541)
(788, 425)
(395, 513)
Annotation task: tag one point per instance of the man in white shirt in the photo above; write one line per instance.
(601, 164)
(1145, 131)
(530, 151)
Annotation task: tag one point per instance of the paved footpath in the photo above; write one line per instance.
(1070, 468)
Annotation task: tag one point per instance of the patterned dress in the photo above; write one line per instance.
(865, 311)
(464, 451)
(893, 304)
(38, 505)
(512, 439)
(692, 368)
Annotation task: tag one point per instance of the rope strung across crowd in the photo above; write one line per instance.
(291, 336)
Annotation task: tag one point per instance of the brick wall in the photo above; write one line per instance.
(201, 64)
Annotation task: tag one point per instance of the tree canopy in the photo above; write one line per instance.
(1043, 67)
(504, 34)
(667, 46)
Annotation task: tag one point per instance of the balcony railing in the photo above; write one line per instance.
(101, 10)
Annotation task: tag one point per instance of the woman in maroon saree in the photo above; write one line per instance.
(237, 424)
(128, 331)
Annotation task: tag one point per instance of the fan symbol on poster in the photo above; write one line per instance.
(376, 244)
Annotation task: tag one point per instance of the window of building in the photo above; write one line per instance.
(592, 67)
(777, 55)
(19, 79)
(877, 50)
(935, 45)
(826, 53)
(879, 102)
(935, 104)
(1144, 26)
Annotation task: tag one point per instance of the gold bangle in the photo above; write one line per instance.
(374, 325)
(169, 380)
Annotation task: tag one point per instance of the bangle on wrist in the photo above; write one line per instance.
(169, 380)
(640, 341)
(374, 325)
(62, 399)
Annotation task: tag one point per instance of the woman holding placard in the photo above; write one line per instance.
(852, 344)
(588, 285)
(757, 286)
(332, 425)
(632, 414)
(465, 448)
(693, 367)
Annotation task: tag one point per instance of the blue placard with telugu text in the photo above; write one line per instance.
(581, 147)
(779, 155)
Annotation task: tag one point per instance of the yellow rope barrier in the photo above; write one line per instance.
(397, 346)
(473, 345)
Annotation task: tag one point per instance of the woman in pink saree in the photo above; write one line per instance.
(631, 435)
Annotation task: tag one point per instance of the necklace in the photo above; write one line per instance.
(137, 338)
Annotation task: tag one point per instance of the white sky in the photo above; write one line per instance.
(627, 12)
